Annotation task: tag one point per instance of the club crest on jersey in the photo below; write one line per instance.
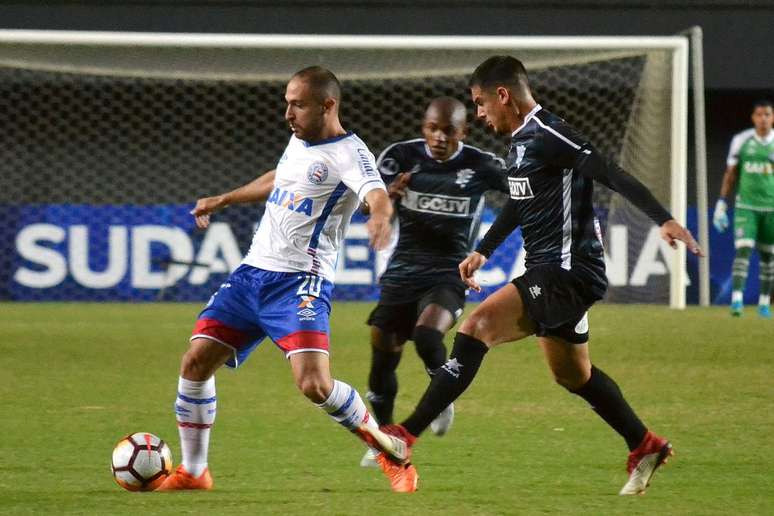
(317, 173)
(464, 176)
(520, 188)
(291, 201)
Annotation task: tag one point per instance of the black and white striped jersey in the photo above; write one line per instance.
(439, 217)
(551, 168)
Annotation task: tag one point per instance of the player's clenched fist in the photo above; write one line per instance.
(468, 269)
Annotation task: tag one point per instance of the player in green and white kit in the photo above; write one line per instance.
(751, 162)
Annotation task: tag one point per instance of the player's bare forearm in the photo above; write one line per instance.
(729, 181)
(378, 225)
(254, 191)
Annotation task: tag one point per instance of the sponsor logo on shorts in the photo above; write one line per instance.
(520, 188)
(317, 173)
(437, 203)
(453, 367)
(535, 291)
(307, 312)
(306, 302)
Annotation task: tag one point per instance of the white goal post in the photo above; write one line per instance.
(654, 126)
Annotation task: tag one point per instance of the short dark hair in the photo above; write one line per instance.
(500, 71)
(762, 103)
(323, 82)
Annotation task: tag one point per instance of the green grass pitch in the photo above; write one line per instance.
(77, 377)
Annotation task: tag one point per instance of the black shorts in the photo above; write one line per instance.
(556, 301)
(400, 318)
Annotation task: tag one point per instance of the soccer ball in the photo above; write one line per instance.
(141, 462)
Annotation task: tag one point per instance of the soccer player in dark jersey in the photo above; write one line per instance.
(551, 169)
(438, 184)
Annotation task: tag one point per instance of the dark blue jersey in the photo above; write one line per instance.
(440, 214)
(551, 168)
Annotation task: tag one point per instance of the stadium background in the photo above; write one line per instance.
(734, 78)
(78, 376)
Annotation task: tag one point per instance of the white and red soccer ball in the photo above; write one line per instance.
(141, 462)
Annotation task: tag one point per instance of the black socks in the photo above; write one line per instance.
(430, 348)
(449, 381)
(383, 384)
(604, 396)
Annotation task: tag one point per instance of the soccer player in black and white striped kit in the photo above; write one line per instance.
(438, 185)
(551, 169)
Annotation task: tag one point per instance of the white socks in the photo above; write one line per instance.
(764, 300)
(346, 407)
(195, 411)
(737, 296)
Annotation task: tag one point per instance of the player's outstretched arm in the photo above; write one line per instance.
(254, 191)
(378, 225)
(606, 171)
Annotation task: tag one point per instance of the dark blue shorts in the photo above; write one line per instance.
(291, 308)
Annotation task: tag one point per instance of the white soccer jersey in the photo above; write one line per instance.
(316, 189)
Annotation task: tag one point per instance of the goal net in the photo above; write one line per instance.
(109, 137)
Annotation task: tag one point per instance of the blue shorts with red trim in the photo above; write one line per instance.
(291, 308)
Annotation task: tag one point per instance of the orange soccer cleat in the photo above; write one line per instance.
(182, 480)
(393, 440)
(403, 477)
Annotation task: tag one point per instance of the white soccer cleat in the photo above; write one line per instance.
(443, 422)
(369, 459)
(643, 462)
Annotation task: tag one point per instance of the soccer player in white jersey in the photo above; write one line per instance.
(282, 288)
